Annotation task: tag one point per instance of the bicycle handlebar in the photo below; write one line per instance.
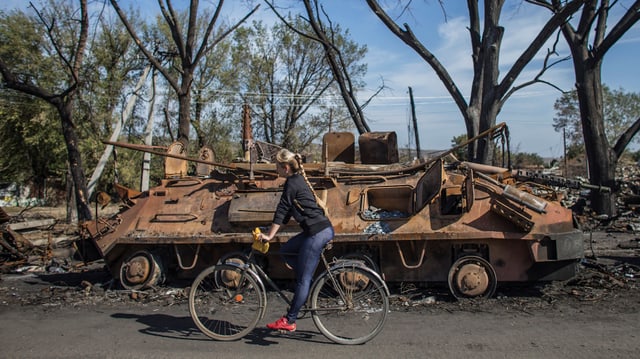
(258, 245)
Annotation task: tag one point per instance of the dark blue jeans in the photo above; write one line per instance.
(308, 250)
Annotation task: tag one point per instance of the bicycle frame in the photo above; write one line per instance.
(260, 276)
(227, 300)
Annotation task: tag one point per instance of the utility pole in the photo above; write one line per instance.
(564, 144)
(415, 123)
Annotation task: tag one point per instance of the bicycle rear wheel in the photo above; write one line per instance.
(355, 316)
(225, 302)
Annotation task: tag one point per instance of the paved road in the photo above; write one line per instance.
(168, 332)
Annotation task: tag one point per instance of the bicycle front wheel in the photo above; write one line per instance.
(349, 305)
(225, 302)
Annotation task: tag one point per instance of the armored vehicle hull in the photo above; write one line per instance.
(469, 226)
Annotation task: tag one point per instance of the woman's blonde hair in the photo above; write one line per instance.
(294, 161)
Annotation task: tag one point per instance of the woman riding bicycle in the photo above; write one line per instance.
(302, 251)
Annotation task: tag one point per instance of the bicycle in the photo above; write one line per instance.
(348, 301)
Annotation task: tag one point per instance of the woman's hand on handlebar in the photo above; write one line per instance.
(272, 233)
(264, 238)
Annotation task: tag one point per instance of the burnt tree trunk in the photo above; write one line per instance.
(75, 160)
(602, 159)
(338, 68)
(184, 107)
(490, 71)
(587, 63)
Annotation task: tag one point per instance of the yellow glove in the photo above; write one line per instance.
(258, 245)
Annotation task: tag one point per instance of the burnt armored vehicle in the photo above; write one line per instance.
(435, 221)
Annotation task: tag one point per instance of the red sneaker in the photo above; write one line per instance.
(282, 324)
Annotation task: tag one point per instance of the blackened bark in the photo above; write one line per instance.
(75, 161)
(587, 63)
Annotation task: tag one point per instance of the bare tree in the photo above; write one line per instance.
(587, 58)
(63, 99)
(289, 86)
(189, 53)
(488, 92)
(325, 34)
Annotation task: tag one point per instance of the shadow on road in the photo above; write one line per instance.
(164, 325)
(182, 328)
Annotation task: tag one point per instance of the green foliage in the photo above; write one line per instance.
(33, 148)
(32, 145)
(635, 155)
(112, 67)
(288, 84)
(460, 153)
(524, 160)
(33, 126)
(621, 109)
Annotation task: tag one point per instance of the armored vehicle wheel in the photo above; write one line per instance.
(227, 278)
(141, 270)
(353, 280)
(472, 277)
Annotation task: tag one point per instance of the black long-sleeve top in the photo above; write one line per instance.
(298, 201)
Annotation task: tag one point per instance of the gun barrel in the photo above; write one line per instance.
(553, 180)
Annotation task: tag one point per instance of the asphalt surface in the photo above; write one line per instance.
(167, 332)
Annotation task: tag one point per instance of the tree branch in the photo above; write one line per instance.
(203, 45)
(154, 61)
(626, 138)
(630, 18)
(12, 82)
(545, 67)
(559, 17)
(82, 41)
(201, 52)
(380, 88)
(172, 20)
(289, 25)
(54, 42)
(587, 18)
(409, 38)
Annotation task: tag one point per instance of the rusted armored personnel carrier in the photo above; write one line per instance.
(436, 221)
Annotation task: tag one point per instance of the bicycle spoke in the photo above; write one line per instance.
(225, 303)
(352, 308)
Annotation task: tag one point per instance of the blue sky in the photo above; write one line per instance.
(528, 113)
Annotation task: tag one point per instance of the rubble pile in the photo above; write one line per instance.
(596, 281)
(70, 290)
(34, 240)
